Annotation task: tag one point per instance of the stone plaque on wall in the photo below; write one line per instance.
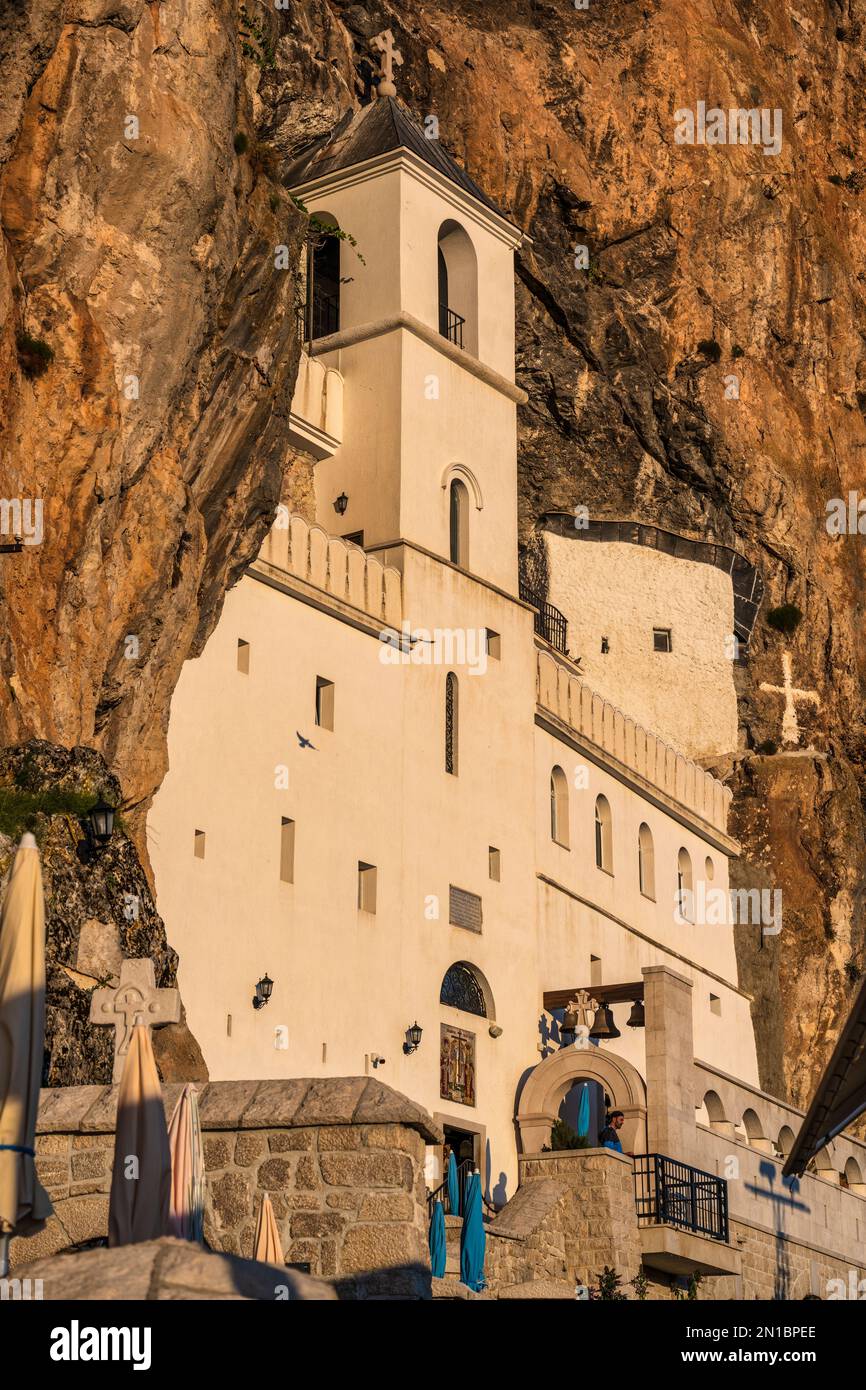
(457, 1065)
(464, 909)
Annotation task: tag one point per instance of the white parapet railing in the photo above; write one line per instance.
(316, 418)
(565, 695)
(336, 567)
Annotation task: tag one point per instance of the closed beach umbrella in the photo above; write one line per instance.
(473, 1239)
(583, 1112)
(186, 1211)
(453, 1187)
(141, 1181)
(24, 1206)
(267, 1244)
(438, 1249)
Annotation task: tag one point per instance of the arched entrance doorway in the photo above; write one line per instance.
(552, 1080)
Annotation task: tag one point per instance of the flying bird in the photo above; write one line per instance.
(305, 742)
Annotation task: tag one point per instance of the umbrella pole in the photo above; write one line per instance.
(4, 1254)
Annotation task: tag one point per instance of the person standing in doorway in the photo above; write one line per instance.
(609, 1137)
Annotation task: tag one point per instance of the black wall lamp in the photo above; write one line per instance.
(264, 989)
(98, 826)
(341, 504)
(413, 1038)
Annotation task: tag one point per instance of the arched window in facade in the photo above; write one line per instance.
(323, 279)
(603, 834)
(451, 722)
(461, 989)
(685, 885)
(646, 861)
(559, 807)
(457, 280)
(458, 522)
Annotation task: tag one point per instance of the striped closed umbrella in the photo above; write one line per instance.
(186, 1206)
(24, 1205)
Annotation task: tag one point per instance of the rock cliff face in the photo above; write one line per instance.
(704, 372)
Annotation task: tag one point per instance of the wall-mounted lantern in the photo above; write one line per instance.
(100, 824)
(413, 1038)
(264, 989)
(341, 504)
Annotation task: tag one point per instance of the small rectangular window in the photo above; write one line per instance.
(287, 850)
(494, 644)
(243, 657)
(493, 863)
(355, 538)
(595, 971)
(366, 887)
(198, 844)
(324, 703)
(662, 639)
(464, 909)
(715, 1004)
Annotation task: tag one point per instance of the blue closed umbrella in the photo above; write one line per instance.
(438, 1251)
(472, 1238)
(453, 1187)
(583, 1112)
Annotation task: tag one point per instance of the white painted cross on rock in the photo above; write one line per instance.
(135, 1000)
(790, 727)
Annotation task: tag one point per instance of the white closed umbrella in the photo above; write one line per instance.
(24, 1205)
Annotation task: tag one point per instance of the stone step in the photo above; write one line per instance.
(450, 1287)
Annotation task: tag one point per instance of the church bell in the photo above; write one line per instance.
(637, 1017)
(603, 1025)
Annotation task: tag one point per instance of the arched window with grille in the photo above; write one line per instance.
(646, 861)
(461, 989)
(603, 835)
(322, 316)
(452, 699)
(559, 807)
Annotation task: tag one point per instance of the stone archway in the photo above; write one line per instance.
(551, 1079)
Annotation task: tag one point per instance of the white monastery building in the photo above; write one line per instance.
(395, 791)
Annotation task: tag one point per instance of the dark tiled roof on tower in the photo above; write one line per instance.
(377, 129)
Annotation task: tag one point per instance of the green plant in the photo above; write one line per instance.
(34, 355)
(320, 228)
(854, 182)
(609, 1290)
(20, 808)
(562, 1136)
(690, 1292)
(240, 143)
(274, 202)
(255, 43)
(640, 1284)
(786, 618)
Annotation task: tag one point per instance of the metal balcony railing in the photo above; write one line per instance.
(451, 325)
(550, 623)
(667, 1192)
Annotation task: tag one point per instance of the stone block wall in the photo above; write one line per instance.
(341, 1158)
(776, 1268)
(572, 1214)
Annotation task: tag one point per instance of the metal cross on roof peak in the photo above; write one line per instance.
(384, 44)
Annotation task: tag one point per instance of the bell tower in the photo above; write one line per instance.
(412, 301)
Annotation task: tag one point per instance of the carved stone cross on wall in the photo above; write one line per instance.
(790, 726)
(135, 999)
(384, 44)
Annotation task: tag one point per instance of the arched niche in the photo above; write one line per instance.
(711, 1112)
(552, 1079)
(457, 271)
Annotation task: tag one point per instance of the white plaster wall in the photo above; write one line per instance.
(622, 592)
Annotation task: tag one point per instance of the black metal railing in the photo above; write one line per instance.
(667, 1192)
(549, 622)
(319, 319)
(464, 1173)
(451, 325)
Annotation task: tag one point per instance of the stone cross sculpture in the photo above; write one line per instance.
(384, 44)
(584, 1009)
(135, 999)
(790, 726)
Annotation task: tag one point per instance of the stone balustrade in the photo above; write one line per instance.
(335, 566)
(316, 417)
(567, 697)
